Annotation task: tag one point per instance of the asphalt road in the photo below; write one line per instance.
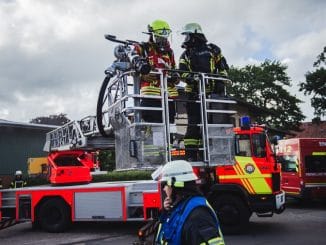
(299, 224)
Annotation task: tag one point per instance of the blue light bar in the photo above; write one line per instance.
(245, 122)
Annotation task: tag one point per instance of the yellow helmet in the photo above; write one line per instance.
(159, 28)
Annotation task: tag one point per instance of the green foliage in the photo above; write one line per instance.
(107, 160)
(110, 176)
(315, 85)
(59, 119)
(35, 181)
(124, 176)
(264, 86)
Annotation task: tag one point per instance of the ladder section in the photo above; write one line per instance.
(81, 134)
(140, 137)
(217, 131)
(144, 143)
(204, 125)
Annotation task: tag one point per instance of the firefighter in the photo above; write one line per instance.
(187, 217)
(199, 56)
(18, 182)
(159, 54)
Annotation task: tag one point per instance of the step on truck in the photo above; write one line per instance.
(237, 168)
(303, 163)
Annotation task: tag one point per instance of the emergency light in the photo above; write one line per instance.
(245, 122)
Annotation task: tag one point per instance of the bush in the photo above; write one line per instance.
(110, 176)
(123, 176)
(38, 180)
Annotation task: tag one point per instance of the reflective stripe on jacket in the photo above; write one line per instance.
(150, 84)
(170, 229)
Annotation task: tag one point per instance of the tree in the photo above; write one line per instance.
(316, 85)
(59, 119)
(263, 86)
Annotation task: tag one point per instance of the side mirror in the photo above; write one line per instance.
(275, 139)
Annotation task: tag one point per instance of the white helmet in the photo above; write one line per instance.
(192, 28)
(18, 172)
(175, 173)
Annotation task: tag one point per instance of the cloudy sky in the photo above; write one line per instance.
(53, 53)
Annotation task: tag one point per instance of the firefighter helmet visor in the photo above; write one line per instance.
(193, 28)
(175, 173)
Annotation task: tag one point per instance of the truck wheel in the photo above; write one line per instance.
(54, 215)
(102, 99)
(232, 212)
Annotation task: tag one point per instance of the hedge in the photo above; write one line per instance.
(110, 176)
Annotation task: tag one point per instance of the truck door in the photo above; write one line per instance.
(251, 162)
(290, 174)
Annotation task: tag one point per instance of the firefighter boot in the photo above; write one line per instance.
(191, 154)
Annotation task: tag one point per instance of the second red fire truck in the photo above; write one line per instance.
(303, 167)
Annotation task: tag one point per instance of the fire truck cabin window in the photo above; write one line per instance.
(243, 145)
(315, 164)
(289, 163)
(259, 145)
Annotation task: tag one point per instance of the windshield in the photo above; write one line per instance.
(242, 145)
(259, 145)
(289, 163)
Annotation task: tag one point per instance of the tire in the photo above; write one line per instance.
(232, 212)
(54, 215)
(36, 225)
(99, 107)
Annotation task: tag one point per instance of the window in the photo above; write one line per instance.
(66, 161)
(315, 164)
(242, 145)
(289, 163)
(259, 145)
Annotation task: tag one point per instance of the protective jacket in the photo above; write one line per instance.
(206, 58)
(158, 59)
(18, 184)
(181, 226)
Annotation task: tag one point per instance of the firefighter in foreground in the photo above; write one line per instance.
(159, 55)
(187, 217)
(18, 182)
(199, 56)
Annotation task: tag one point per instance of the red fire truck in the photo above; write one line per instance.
(303, 167)
(238, 172)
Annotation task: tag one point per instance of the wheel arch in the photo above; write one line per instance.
(231, 204)
(64, 211)
(45, 199)
(220, 189)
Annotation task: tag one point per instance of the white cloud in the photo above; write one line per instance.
(53, 53)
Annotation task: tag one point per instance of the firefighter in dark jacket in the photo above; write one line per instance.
(18, 182)
(199, 56)
(158, 53)
(187, 217)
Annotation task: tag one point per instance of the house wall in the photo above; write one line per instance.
(16, 145)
